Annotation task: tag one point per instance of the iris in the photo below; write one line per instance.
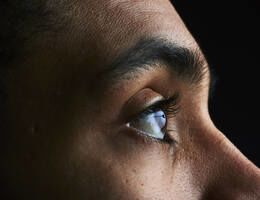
(150, 123)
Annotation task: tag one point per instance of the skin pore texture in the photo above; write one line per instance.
(66, 120)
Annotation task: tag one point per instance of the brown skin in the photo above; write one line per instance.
(69, 141)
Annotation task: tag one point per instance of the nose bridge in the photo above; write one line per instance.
(235, 177)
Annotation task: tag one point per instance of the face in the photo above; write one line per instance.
(114, 106)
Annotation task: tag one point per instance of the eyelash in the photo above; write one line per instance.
(171, 107)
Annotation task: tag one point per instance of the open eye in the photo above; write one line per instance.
(157, 120)
(151, 123)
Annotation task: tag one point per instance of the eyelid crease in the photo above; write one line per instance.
(140, 101)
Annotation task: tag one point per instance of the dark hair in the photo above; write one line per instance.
(23, 20)
(20, 21)
(16, 26)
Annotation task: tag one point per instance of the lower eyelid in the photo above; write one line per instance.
(137, 134)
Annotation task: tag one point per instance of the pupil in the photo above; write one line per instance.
(160, 119)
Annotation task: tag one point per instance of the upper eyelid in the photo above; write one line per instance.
(157, 105)
(145, 99)
(174, 100)
(161, 104)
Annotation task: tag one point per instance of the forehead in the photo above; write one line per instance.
(108, 27)
(98, 31)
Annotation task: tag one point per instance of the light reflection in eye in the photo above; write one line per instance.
(150, 123)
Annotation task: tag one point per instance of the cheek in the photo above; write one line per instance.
(124, 165)
(121, 167)
(154, 172)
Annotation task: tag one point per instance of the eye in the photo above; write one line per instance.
(151, 123)
(156, 121)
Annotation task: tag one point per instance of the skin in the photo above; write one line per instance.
(67, 139)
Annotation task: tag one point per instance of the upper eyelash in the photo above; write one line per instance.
(170, 106)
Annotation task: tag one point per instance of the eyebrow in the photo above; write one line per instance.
(187, 65)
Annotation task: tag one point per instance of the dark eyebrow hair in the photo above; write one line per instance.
(188, 65)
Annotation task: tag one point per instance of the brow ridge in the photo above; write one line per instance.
(188, 65)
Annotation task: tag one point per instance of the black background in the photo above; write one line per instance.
(227, 33)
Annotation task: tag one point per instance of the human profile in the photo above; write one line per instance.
(108, 99)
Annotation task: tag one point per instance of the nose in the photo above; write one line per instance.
(233, 176)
